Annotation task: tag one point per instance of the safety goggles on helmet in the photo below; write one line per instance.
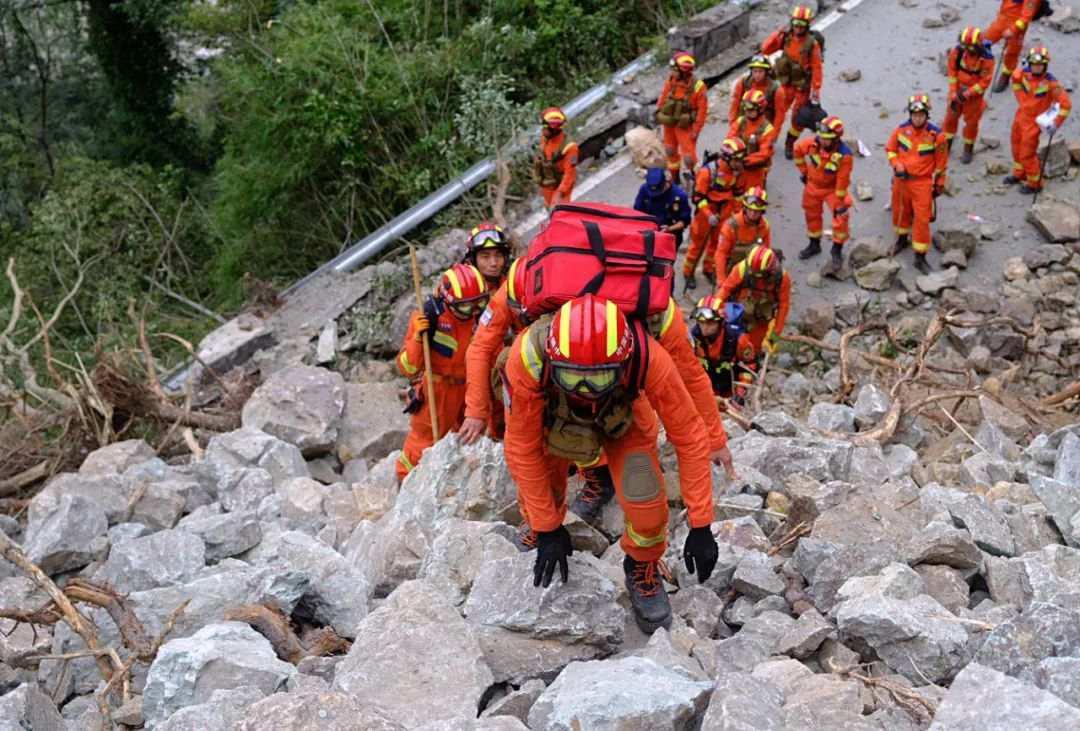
(796, 23)
(466, 308)
(918, 103)
(760, 61)
(488, 238)
(585, 381)
(706, 314)
(756, 199)
(1038, 55)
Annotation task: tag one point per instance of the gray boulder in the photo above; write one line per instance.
(988, 528)
(220, 712)
(372, 424)
(962, 240)
(934, 282)
(946, 585)
(516, 703)
(630, 693)
(160, 506)
(1060, 676)
(810, 630)
(165, 558)
(780, 457)
(1062, 503)
(755, 577)
(741, 702)
(459, 553)
(66, 537)
(250, 447)
(299, 711)
(224, 535)
(752, 644)
(245, 489)
(1057, 221)
(109, 492)
(338, 591)
(300, 405)
(832, 417)
(584, 610)
(1067, 464)
(416, 659)
(983, 698)
(877, 275)
(871, 405)
(115, 458)
(28, 708)
(221, 656)
(1017, 646)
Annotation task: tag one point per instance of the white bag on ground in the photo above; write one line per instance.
(646, 148)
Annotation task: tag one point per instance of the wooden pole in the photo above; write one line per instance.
(427, 348)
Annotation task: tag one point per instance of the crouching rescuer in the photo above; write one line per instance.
(586, 381)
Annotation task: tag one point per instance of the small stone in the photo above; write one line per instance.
(871, 405)
(64, 538)
(851, 75)
(117, 457)
(811, 629)
(946, 585)
(944, 544)
(864, 191)
(865, 251)
(954, 258)
(963, 240)
(878, 275)
(1045, 255)
(755, 578)
(933, 23)
(996, 167)
(832, 417)
(818, 318)
(934, 282)
(1057, 221)
(517, 703)
(165, 558)
(225, 535)
(813, 279)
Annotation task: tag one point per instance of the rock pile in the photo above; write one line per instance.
(925, 583)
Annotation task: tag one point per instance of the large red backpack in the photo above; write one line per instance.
(613, 252)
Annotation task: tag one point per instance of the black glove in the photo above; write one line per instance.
(802, 179)
(701, 551)
(552, 548)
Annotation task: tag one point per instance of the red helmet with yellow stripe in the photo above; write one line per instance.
(754, 99)
(515, 285)
(463, 289)
(830, 128)
(918, 103)
(801, 15)
(762, 260)
(732, 148)
(971, 37)
(1038, 54)
(683, 60)
(755, 198)
(553, 117)
(709, 309)
(587, 346)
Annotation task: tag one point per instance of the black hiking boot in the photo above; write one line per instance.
(689, 283)
(837, 254)
(597, 492)
(789, 147)
(902, 242)
(648, 597)
(968, 154)
(922, 264)
(1028, 190)
(1001, 84)
(710, 277)
(1010, 180)
(812, 249)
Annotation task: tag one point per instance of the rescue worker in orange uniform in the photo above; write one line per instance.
(1011, 23)
(758, 134)
(586, 381)
(824, 162)
(488, 249)
(447, 320)
(715, 188)
(798, 69)
(723, 348)
(760, 78)
(1036, 91)
(971, 68)
(919, 157)
(760, 284)
(505, 315)
(682, 110)
(743, 230)
(555, 168)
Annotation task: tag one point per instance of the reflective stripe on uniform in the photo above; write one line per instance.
(444, 344)
(406, 366)
(534, 364)
(669, 316)
(405, 462)
(611, 312)
(643, 541)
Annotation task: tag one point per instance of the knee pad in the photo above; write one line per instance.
(640, 483)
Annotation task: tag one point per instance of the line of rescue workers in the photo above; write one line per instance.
(575, 353)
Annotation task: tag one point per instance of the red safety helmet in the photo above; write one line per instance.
(515, 285)
(1038, 54)
(683, 61)
(553, 117)
(762, 260)
(588, 345)
(710, 308)
(918, 103)
(755, 98)
(755, 198)
(971, 37)
(463, 289)
(830, 128)
(732, 148)
(801, 15)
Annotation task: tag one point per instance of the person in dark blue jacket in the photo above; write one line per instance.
(665, 201)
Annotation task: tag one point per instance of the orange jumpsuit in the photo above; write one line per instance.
(774, 94)
(1015, 16)
(972, 74)
(633, 459)
(796, 88)
(828, 175)
(923, 154)
(487, 342)
(758, 135)
(1034, 95)
(714, 191)
(729, 365)
(448, 346)
(556, 167)
(680, 140)
(737, 237)
(765, 300)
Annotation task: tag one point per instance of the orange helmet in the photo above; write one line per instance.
(762, 260)
(683, 61)
(710, 308)
(755, 98)
(553, 117)
(1038, 54)
(801, 15)
(918, 103)
(831, 127)
(971, 36)
(760, 61)
(463, 289)
(515, 285)
(732, 148)
(755, 198)
(588, 344)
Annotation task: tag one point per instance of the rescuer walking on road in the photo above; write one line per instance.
(760, 78)
(586, 381)
(555, 168)
(919, 156)
(447, 320)
(824, 162)
(1036, 92)
(758, 134)
(798, 69)
(681, 110)
(971, 67)
(714, 191)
